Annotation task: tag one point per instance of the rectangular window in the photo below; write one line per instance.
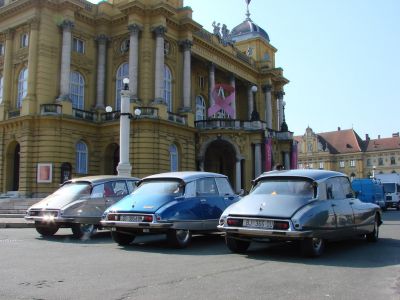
(321, 165)
(352, 163)
(78, 45)
(369, 163)
(1, 49)
(24, 40)
(201, 82)
(341, 164)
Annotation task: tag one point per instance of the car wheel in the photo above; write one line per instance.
(46, 230)
(237, 246)
(83, 230)
(374, 235)
(312, 247)
(122, 239)
(179, 238)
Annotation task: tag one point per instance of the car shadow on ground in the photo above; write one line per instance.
(355, 253)
(204, 244)
(100, 237)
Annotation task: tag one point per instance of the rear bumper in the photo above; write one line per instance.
(256, 233)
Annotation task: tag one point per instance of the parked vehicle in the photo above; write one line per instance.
(369, 190)
(175, 203)
(391, 186)
(309, 206)
(79, 204)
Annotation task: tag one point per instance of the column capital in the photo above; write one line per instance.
(134, 28)
(102, 38)
(159, 30)
(280, 94)
(67, 24)
(186, 44)
(34, 23)
(267, 88)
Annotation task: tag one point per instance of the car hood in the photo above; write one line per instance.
(267, 205)
(53, 201)
(141, 203)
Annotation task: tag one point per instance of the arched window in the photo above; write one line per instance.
(168, 88)
(122, 72)
(81, 151)
(200, 108)
(77, 90)
(1, 88)
(22, 86)
(173, 157)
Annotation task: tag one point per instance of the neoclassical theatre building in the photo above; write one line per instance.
(200, 100)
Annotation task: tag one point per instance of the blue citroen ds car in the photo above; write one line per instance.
(175, 203)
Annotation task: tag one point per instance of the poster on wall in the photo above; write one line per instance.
(44, 172)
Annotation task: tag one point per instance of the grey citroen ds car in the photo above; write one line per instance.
(308, 206)
(79, 204)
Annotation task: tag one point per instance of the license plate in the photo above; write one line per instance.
(265, 224)
(131, 218)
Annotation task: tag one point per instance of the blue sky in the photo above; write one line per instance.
(342, 58)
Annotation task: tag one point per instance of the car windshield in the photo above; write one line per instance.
(160, 187)
(284, 186)
(389, 187)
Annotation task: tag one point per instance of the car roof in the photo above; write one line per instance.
(102, 178)
(312, 174)
(186, 176)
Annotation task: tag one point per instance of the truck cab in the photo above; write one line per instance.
(392, 194)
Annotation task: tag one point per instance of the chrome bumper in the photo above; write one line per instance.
(136, 225)
(265, 233)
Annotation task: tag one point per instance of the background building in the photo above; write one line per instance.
(207, 101)
(345, 151)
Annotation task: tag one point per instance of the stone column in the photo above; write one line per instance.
(238, 177)
(32, 59)
(286, 162)
(268, 105)
(250, 101)
(211, 83)
(101, 69)
(66, 26)
(233, 103)
(134, 30)
(159, 65)
(7, 77)
(279, 103)
(186, 45)
(257, 160)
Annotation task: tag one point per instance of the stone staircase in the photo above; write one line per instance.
(16, 206)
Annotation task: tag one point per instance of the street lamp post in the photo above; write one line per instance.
(254, 114)
(124, 167)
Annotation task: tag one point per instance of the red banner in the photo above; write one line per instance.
(294, 155)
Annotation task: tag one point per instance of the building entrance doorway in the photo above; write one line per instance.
(12, 167)
(111, 159)
(220, 157)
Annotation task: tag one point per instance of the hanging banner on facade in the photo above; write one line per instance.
(268, 154)
(223, 95)
(294, 156)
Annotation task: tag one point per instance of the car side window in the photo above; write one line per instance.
(97, 191)
(334, 189)
(206, 186)
(224, 187)
(346, 186)
(131, 185)
(119, 188)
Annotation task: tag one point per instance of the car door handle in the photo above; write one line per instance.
(351, 202)
(333, 205)
(203, 200)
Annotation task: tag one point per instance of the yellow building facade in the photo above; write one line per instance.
(199, 100)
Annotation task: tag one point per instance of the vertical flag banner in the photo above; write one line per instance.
(268, 154)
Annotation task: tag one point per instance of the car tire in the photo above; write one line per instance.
(235, 245)
(83, 231)
(312, 247)
(179, 238)
(122, 239)
(374, 235)
(46, 230)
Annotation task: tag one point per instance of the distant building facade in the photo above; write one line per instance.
(345, 151)
(206, 101)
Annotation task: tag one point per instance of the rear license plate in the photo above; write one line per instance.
(265, 224)
(131, 218)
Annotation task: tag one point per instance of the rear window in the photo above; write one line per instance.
(285, 186)
(160, 187)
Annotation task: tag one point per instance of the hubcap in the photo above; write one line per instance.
(182, 235)
(316, 243)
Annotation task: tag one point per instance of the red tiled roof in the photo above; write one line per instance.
(343, 141)
(392, 143)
